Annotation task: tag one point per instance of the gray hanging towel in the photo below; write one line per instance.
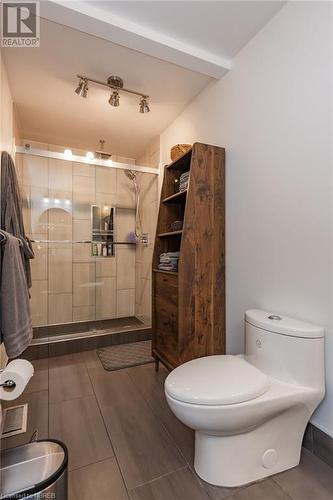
(11, 210)
(16, 327)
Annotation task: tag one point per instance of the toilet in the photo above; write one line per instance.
(249, 412)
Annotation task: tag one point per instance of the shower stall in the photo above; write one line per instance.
(92, 226)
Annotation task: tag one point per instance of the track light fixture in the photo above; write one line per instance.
(144, 108)
(116, 84)
(114, 99)
(82, 88)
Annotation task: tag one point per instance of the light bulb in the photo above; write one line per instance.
(68, 153)
(90, 156)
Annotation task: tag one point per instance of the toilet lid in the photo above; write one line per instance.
(216, 380)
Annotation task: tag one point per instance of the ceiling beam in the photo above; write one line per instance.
(95, 21)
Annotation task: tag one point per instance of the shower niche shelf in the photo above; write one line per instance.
(189, 305)
(102, 231)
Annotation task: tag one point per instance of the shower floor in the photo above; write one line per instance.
(68, 331)
(57, 340)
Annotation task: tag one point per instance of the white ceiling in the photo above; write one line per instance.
(169, 50)
(43, 81)
(221, 28)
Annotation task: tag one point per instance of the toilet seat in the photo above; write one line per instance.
(216, 380)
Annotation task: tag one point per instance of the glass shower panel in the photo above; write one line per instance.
(90, 267)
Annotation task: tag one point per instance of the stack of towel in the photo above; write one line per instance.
(169, 261)
(183, 181)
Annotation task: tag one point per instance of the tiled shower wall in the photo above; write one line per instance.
(69, 284)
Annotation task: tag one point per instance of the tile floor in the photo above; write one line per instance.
(125, 444)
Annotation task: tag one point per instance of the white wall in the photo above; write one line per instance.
(272, 114)
(6, 112)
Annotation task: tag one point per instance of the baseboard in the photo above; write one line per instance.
(319, 443)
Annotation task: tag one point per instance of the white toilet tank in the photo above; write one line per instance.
(287, 349)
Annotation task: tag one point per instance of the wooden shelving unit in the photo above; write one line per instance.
(175, 198)
(189, 305)
(169, 234)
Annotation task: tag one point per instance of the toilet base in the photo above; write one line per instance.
(240, 459)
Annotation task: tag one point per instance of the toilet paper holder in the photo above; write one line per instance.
(8, 384)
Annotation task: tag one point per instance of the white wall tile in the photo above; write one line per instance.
(83, 196)
(38, 303)
(125, 190)
(83, 313)
(35, 171)
(60, 175)
(60, 270)
(84, 284)
(60, 225)
(106, 298)
(60, 308)
(125, 223)
(106, 180)
(106, 267)
(125, 303)
(40, 262)
(125, 268)
(83, 169)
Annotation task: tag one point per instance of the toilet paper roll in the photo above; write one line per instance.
(20, 371)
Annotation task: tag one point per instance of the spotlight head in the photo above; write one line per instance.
(82, 89)
(114, 99)
(144, 108)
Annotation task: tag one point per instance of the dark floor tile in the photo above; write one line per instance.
(79, 424)
(90, 359)
(263, 490)
(308, 438)
(143, 448)
(323, 446)
(37, 418)
(40, 379)
(68, 378)
(151, 386)
(311, 480)
(218, 492)
(179, 485)
(100, 481)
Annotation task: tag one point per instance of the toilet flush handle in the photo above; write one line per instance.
(275, 317)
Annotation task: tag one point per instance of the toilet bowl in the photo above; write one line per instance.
(249, 412)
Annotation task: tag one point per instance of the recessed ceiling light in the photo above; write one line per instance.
(56, 201)
(90, 156)
(68, 153)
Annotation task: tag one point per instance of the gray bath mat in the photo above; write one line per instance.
(125, 355)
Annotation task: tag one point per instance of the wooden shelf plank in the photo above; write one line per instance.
(174, 273)
(170, 233)
(174, 198)
(181, 162)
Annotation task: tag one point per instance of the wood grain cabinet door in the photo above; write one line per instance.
(166, 316)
